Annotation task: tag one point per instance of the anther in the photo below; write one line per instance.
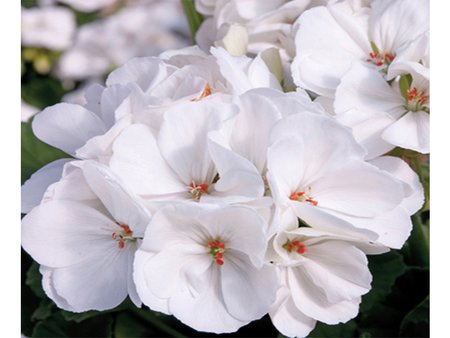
(217, 248)
(122, 235)
(294, 246)
(197, 190)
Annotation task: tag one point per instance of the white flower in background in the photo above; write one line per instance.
(250, 24)
(48, 27)
(88, 6)
(323, 277)
(205, 265)
(27, 111)
(84, 235)
(141, 29)
(316, 169)
(330, 39)
(384, 116)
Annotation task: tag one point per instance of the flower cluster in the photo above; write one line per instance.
(198, 186)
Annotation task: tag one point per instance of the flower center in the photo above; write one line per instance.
(217, 249)
(416, 100)
(122, 235)
(205, 93)
(294, 246)
(303, 196)
(381, 60)
(197, 190)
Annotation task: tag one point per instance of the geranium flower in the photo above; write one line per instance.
(204, 265)
(183, 161)
(84, 235)
(384, 116)
(323, 277)
(330, 39)
(47, 27)
(316, 169)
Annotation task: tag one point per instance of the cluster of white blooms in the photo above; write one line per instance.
(198, 187)
(124, 29)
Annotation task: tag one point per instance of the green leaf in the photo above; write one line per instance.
(381, 321)
(44, 310)
(35, 153)
(341, 330)
(56, 326)
(79, 317)
(34, 280)
(385, 270)
(194, 18)
(128, 326)
(416, 322)
(40, 90)
(156, 320)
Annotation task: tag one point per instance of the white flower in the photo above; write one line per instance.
(34, 188)
(84, 235)
(88, 6)
(383, 116)
(316, 169)
(188, 158)
(48, 27)
(27, 111)
(261, 25)
(323, 277)
(137, 30)
(330, 39)
(205, 266)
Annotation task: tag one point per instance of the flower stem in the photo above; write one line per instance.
(194, 18)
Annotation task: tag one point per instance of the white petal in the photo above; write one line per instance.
(393, 228)
(147, 72)
(183, 138)
(205, 311)
(238, 177)
(394, 23)
(358, 189)
(121, 204)
(287, 318)
(368, 134)
(47, 285)
(312, 301)
(178, 223)
(286, 168)
(326, 221)
(61, 233)
(247, 291)
(255, 108)
(67, 126)
(325, 50)
(137, 160)
(401, 170)
(72, 186)
(339, 269)
(112, 98)
(99, 282)
(140, 280)
(363, 93)
(162, 272)
(412, 131)
(34, 188)
(241, 228)
(100, 147)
